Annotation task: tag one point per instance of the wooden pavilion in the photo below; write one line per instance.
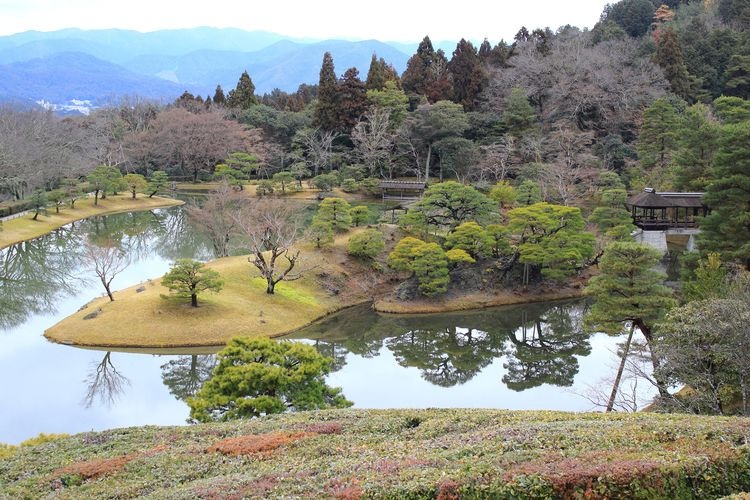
(654, 211)
(402, 190)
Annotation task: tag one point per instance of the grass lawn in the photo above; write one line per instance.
(395, 454)
(23, 228)
(144, 319)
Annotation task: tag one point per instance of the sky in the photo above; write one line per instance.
(385, 20)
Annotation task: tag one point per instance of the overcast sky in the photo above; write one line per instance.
(386, 20)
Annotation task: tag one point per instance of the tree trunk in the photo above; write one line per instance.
(36, 215)
(616, 384)
(271, 285)
(96, 197)
(109, 292)
(194, 300)
(660, 384)
(134, 194)
(427, 164)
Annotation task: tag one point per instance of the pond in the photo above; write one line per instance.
(522, 357)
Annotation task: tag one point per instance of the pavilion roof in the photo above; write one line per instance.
(649, 198)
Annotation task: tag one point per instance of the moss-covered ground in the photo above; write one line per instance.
(396, 454)
(24, 228)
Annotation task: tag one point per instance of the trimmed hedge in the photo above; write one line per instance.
(397, 454)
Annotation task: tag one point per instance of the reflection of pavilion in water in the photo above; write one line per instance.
(539, 343)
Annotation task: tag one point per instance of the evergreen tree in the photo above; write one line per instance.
(727, 229)
(325, 115)
(657, 139)
(518, 114)
(416, 78)
(467, 74)
(335, 211)
(38, 202)
(484, 52)
(471, 238)
(243, 96)
(157, 182)
(611, 217)
(320, 232)
(259, 376)
(375, 76)
(628, 290)
(551, 237)
(528, 193)
(427, 74)
(352, 101)
(430, 266)
(738, 76)
(367, 244)
(634, 16)
(187, 278)
(219, 96)
(697, 140)
(669, 57)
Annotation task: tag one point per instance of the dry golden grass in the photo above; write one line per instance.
(23, 228)
(242, 308)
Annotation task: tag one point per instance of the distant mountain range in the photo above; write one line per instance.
(99, 66)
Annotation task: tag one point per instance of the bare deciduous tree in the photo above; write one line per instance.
(107, 261)
(216, 217)
(186, 143)
(268, 229)
(373, 142)
(318, 146)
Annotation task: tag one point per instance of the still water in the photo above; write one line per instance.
(523, 357)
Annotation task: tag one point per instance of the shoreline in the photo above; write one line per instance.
(20, 229)
(382, 306)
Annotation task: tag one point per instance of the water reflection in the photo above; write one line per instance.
(538, 342)
(185, 375)
(36, 274)
(104, 383)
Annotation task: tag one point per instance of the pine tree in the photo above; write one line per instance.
(325, 115)
(629, 290)
(467, 74)
(187, 278)
(243, 96)
(727, 229)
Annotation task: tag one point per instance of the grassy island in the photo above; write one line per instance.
(140, 317)
(23, 228)
(396, 454)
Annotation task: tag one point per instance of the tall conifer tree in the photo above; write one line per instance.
(325, 110)
(467, 74)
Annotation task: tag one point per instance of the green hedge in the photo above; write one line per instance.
(397, 454)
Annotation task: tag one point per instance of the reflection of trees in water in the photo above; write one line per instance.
(539, 341)
(542, 349)
(104, 382)
(185, 375)
(446, 356)
(35, 274)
